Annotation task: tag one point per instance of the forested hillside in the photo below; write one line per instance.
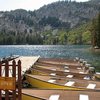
(61, 22)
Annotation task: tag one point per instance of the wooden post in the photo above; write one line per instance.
(6, 75)
(14, 75)
(19, 80)
(0, 76)
(15, 67)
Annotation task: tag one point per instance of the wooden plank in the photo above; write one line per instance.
(0, 75)
(19, 81)
(14, 75)
(6, 75)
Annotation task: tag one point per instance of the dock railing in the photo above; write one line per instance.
(10, 83)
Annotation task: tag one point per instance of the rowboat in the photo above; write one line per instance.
(49, 82)
(45, 71)
(42, 94)
(63, 64)
(58, 62)
(58, 65)
(65, 68)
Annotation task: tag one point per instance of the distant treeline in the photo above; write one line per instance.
(88, 33)
(95, 31)
(61, 22)
(12, 39)
(80, 35)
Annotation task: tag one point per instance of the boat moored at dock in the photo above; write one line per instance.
(44, 94)
(49, 82)
(45, 71)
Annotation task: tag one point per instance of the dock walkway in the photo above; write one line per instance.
(27, 61)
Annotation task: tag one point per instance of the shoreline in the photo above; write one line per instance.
(96, 50)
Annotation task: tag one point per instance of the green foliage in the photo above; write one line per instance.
(63, 38)
(19, 39)
(86, 37)
(29, 27)
(95, 30)
(53, 22)
(80, 35)
(98, 29)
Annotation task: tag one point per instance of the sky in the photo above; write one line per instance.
(7, 5)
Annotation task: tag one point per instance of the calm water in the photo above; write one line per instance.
(51, 51)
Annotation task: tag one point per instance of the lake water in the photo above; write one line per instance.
(52, 51)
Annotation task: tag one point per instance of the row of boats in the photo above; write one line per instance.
(61, 79)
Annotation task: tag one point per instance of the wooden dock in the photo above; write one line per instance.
(27, 61)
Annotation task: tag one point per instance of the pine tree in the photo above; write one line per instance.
(96, 32)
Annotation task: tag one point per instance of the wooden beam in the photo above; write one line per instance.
(14, 75)
(6, 75)
(19, 81)
(0, 75)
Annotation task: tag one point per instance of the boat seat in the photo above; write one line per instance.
(70, 76)
(86, 78)
(98, 73)
(66, 70)
(83, 97)
(53, 74)
(66, 64)
(54, 69)
(51, 81)
(70, 83)
(81, 72)
(91, 86)
(54, 97)
(79, 68)
(66, 67)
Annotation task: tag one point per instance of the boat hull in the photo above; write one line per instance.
(46, 94)
(46, 85)
(29, 97)
(37, 72)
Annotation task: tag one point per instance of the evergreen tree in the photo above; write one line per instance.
(96, 32)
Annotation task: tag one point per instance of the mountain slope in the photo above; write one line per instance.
(66, 14)
(72, 12)
(30, 26)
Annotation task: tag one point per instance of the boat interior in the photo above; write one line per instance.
(45, 94)
(68, 82)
